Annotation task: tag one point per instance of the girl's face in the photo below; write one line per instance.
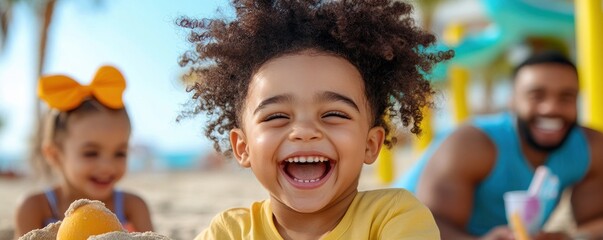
(92, 157)
(306, 130)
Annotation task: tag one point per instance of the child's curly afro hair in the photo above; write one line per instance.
(379, 37)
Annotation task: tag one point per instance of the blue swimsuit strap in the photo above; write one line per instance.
(52, 202)
(118, 200)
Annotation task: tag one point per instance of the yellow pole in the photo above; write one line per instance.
(385, 165)
(459, 79)
(458, 76)
(423, 140)
(385, 162)
(589, 36)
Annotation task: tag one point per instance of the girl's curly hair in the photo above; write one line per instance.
(379, 37)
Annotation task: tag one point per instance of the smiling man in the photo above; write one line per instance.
(463, 178)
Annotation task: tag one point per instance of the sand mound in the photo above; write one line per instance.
(88, 219)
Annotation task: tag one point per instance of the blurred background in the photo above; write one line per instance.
(75, 37)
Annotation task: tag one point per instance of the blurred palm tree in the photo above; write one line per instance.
(44, 12)
(5, 19)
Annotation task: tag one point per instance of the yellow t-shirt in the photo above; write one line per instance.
(377, 214)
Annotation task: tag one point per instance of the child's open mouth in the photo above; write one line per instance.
(101, 181)
(307, 171)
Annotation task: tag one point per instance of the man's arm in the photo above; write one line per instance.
(450, 177)
(587, 197)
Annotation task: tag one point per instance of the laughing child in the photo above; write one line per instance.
(299, 91)
(86, 142)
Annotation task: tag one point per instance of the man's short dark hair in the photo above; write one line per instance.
(544, 58)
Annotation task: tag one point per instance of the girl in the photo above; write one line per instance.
(302, 90)
(86, 141)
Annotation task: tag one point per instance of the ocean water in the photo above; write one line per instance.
(11, 163)
(181, 160)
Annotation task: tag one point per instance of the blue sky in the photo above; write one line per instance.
(141, 38)
(138, 37)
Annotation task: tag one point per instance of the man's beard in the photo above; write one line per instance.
(524, 131)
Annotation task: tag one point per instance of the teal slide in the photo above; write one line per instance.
(513, 21)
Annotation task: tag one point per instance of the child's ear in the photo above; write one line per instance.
(374, 142)
(239, 147)
(51, 152)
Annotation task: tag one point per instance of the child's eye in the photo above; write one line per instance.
(122, 154)
(336, 114)
(90, 154)
(275, 116)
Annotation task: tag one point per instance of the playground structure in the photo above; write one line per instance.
(512, 22)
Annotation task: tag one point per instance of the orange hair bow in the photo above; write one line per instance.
(64, 93)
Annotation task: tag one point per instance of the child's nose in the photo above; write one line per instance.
(106, 164)
(305, 131)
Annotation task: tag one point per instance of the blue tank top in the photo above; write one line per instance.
(118, 200)
(511, 171)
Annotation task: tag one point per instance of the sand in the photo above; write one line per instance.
(182, 203)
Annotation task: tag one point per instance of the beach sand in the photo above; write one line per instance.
(182, 203)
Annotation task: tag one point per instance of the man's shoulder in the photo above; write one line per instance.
(483, 133)
(469, 136)
(595, 141)
(592, 135)
(467, 153)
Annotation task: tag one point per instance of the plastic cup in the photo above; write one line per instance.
(523, 213)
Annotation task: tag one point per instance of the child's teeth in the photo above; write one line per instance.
(307, 159)
(550, 124)
(306, 181)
